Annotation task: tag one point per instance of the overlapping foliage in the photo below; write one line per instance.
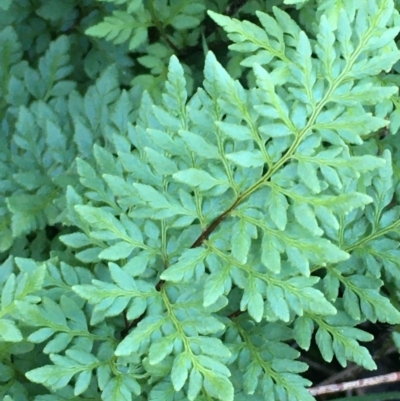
(191, 245)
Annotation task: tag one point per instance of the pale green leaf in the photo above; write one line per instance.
(99, 218)
(82, 382)
(211, 346)
(140, 336)
(235, 131)
(303, 329)
(277, 205)
(162, 164)
(324, 342)
(160, 349)
(277, 302)
(196, 178)
(215, 286)
(41, 335)
(195, 384)
(199, 145)
(58, 343)
(246, 158)
(241, 242)
(121, 277)
(120, 250)
(76, 240)
(191, 261)
(308, 174)
(253, 300)
(351, 304)
(9, 331)
(7, 295)
(219, 386)
(180, 370)
(250, 377)
(275, 130)
(306, 217)
(270, 254)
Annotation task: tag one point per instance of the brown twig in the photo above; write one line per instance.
(370, 381)
(206, 233)
(235, 314)
(214, 224)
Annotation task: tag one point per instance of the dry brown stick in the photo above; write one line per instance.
(370, 381)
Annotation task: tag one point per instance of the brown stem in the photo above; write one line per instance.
(370, 381)
(214, 224)
(235, 314)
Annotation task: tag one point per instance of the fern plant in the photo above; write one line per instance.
(206, 240)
